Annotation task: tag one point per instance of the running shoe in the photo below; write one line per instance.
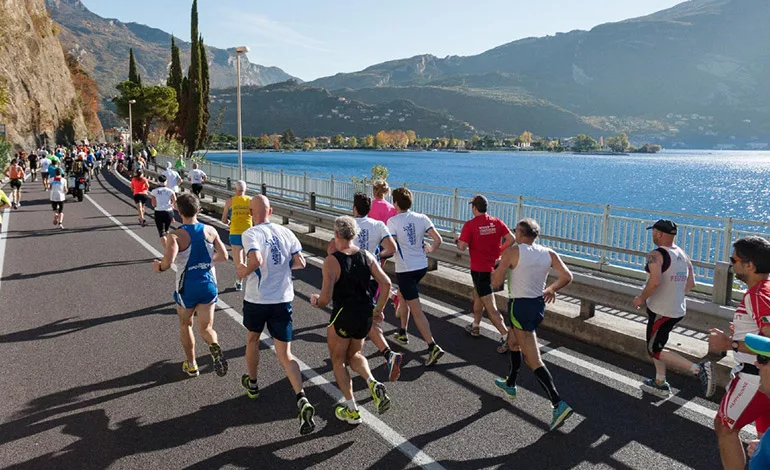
(474, 331)
(660, 389)
(435, 355)
(251, 392)
(380, 397)
(238, 286)
(403, 339)
(61, 226)
(344, 414)
(192, 371)
(144, 222)
(502, 348)
(509, 390)
(306, 421)
(706, 376)
(220, 363)
(560, 414)
(394, 366)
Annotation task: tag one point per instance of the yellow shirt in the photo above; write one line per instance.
(3, 200)
(240, 216)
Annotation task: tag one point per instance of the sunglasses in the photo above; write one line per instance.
(734, 260)
(762, 360)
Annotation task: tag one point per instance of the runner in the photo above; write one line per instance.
(409, 229)
(382, 210)
(16, 173)
(172, 178)
(197, 178)
(192, 250)
(32, 160)
(481, 237)
(58, 196)
(273, 252)
(670, 278)
(759, 451)
(530, 264)
(140, 187)
(163, 200)
(237, 214)
(44, 164)
(743, 403)
(346, 275)
(374, 237)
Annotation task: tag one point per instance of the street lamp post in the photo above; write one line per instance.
(238, 51)
(130, 129)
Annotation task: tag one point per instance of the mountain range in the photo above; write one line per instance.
(692, 75)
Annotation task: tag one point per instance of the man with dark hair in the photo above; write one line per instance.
(410, 228)
(192, 250)
(481, 236)
(670, 278)
(744, 403)
(529, 265)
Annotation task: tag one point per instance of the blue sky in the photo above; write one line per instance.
(316, 38)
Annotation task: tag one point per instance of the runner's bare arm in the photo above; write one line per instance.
(298, 261)
(655, 266)
(220, 250)
(225, 211)
(508, 240)
(690, 277)
(509, 260)
(564, 277)
(331, 268)
(436, 240)
(388, 245)
(172, 249)
(253, 261)
(385, 284)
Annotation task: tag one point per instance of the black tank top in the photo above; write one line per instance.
(352, 290)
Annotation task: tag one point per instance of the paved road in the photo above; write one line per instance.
(89, 337)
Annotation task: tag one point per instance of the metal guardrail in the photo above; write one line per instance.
(604, 238)
(590, 289)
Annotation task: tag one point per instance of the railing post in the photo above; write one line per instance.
(519, 210)
(728, 241)
(282, 184)
(262, 176)
(263, 189)
(605, 234)
(331, 195)
(455, 209)
(587, 309)
(229, 184)
(311, 227)
(304, 186)
(723, 283)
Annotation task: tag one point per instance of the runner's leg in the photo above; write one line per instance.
(252, 354)
(338, 351)
(186, 332)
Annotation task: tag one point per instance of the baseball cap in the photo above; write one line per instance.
(665, 226)
(758, 344)
(479, 202)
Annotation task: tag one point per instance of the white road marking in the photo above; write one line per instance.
(417, 456)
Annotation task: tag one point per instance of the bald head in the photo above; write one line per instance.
(260, 209)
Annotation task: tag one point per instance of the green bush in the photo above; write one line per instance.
(5, 153)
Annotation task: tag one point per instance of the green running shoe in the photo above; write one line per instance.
(251, 392)
(344, 414)
(306, 421)
(380, 397)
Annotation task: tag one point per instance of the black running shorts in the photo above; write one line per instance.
(408, 282)
(352, 322)
(163, 221)
(58, 206)
(482, 282)
(658, 330)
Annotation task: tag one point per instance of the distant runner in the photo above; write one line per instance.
(237, 214)
(58, 196)
(16, 173)
(163, 200)
(32, 161)
(172, 178)
(140, 187)
(197, 178)
(192, 250)
(44, 175)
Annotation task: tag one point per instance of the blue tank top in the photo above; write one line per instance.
(194, 263)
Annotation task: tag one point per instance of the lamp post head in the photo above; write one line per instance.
(131, 101)
(242, 49)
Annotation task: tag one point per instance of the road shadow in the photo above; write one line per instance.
(106, 264)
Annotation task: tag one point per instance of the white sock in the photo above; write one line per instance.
(660, 378)
(476, 325)
(351, 404)
(370, 380)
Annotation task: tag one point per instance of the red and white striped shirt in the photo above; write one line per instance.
(751, 316)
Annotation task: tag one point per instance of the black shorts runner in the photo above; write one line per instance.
(197, 188)
(33, 166)
(482, 282)
(140, 198)
(658, 330)
(58, 206)
(163, 221)
(408, 282)
(16, 183)
(352, 322)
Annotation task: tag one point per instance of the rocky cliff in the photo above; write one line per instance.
(43, 104)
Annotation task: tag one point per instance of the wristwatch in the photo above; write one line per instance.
(735, 346)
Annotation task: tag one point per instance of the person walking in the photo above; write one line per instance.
(481, 236)
(192, 250)
(140, 187)
(669, 280)
(530, 264)
(409, 229)
(273, 252)
(237, 215)
(163, 200)
(58, 196)
(197, 178)
(743, 402)
(16, 174)
(346, 275)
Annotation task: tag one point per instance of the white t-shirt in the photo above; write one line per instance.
(409, 229)
(371, 234)
(271, 282)
(58, 189)
(196, 176)
(44, 164)
(163, 198)
(172, 178)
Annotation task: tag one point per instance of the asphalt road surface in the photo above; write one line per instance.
(92, 376)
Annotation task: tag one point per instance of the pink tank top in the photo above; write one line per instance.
(382, 210)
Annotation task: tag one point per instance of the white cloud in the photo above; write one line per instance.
(249, 25)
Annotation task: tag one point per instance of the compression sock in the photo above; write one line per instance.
(546, 381)
(515, 358)
(386, 353)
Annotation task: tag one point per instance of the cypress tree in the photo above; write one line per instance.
(133, 74)
(204, 95)
(195, 98)
(174, 81)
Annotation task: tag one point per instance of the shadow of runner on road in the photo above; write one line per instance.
(106, 264)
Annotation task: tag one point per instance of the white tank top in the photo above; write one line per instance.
(668, 299)
(527, 279)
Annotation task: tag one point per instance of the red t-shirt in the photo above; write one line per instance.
(483, 234)
(140, 185)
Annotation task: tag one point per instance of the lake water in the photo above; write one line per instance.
(715, 183)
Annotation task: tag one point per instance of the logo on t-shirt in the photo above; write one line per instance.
(275, 249)
(363, 239)
(411, 233)
(488, 230)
